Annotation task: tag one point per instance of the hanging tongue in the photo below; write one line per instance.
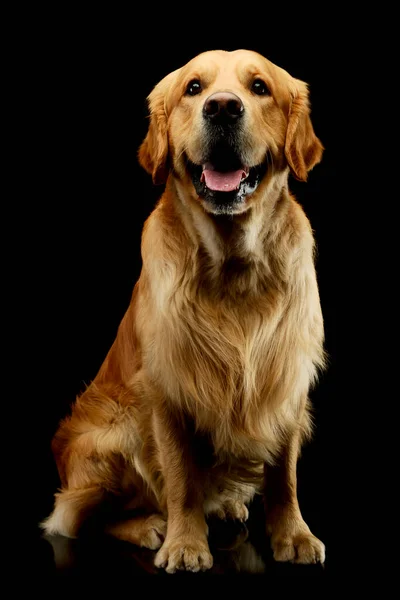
(223, 182)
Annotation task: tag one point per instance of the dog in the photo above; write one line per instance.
(203, 399)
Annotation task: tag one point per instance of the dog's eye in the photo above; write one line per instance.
(193, 88)
(260, 88)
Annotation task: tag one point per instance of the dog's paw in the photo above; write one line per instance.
(154, 532)
(233, 509)
(303, 548)
(182, 554)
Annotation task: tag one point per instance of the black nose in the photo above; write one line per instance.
(223, 108)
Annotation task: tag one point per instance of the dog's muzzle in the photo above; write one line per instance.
(222, 180)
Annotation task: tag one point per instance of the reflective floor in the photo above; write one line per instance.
(237, 550)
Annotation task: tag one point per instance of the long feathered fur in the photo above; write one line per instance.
(223, 337)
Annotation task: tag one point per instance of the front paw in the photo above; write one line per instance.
(303, 548)
(184, 554)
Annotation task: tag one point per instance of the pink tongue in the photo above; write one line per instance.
(222, 182)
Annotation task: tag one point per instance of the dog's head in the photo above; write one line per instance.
(225, 124)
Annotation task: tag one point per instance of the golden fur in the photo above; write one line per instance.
(202, 399)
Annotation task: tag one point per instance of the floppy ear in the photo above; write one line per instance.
(303, 149)
(153, 152)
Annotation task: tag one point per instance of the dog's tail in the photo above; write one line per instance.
(72, 508)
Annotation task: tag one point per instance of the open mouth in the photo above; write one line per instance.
(222, 181)
(224, 186)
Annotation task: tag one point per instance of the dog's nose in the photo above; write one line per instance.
(223, 108)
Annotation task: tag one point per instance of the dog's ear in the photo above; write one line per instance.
(303, 149)
(153, 152)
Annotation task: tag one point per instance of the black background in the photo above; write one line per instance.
(87, 78)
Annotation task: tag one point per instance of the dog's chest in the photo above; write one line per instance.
(236, 352)
(219, 354)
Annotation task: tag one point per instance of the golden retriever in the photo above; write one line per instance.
(202, 400)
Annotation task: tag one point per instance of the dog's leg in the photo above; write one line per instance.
(291, 538)
(186, 545)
